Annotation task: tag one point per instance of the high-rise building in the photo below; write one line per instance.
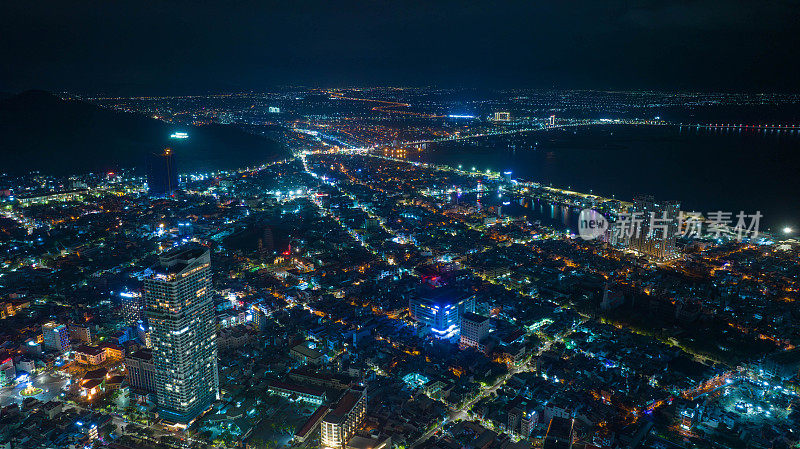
(440, 310)
(162, 174)
(527, 422)
(141, 372)
(266, 244)
(131, 307)
(259, 312)
(55, 337)
(474, 329)
(502, 116)
(80, 332)
(180, 312)
(657, 233)
(342, 421)
(521, 421)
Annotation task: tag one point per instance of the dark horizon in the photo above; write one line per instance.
(89, 96)
(180, 48)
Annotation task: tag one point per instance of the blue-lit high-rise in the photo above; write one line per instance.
(440, 310)
(180, 312)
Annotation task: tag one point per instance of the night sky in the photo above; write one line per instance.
(173, 47)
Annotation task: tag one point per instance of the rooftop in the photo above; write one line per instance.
(474, 317)
(307, 352)
(90, 350)
(178, 259)
(297, 388)
(344, 406)
(312, 421)
(143, 354)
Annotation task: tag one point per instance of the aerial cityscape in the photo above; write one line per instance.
(373, 241)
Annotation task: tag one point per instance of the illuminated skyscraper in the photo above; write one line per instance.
(180, 312)
(162, 174)
(56, 337)
(131, 307)
(659, 226)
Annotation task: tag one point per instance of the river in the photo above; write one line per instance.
(705, 170)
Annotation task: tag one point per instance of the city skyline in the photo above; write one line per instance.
(400, 225)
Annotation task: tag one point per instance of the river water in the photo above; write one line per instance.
(705, 170)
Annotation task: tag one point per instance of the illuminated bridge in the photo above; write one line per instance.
(767, 126)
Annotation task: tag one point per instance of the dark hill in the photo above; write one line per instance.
(39, 131)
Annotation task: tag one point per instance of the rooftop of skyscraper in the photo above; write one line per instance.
(177, 259)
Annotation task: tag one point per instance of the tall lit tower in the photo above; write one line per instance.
(131, 307)
(162, 174)
(178, 305)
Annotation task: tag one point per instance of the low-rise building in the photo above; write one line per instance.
(302, 353)
(297, 392)
(90, 355)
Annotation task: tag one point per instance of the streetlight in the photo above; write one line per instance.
(787, 230)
